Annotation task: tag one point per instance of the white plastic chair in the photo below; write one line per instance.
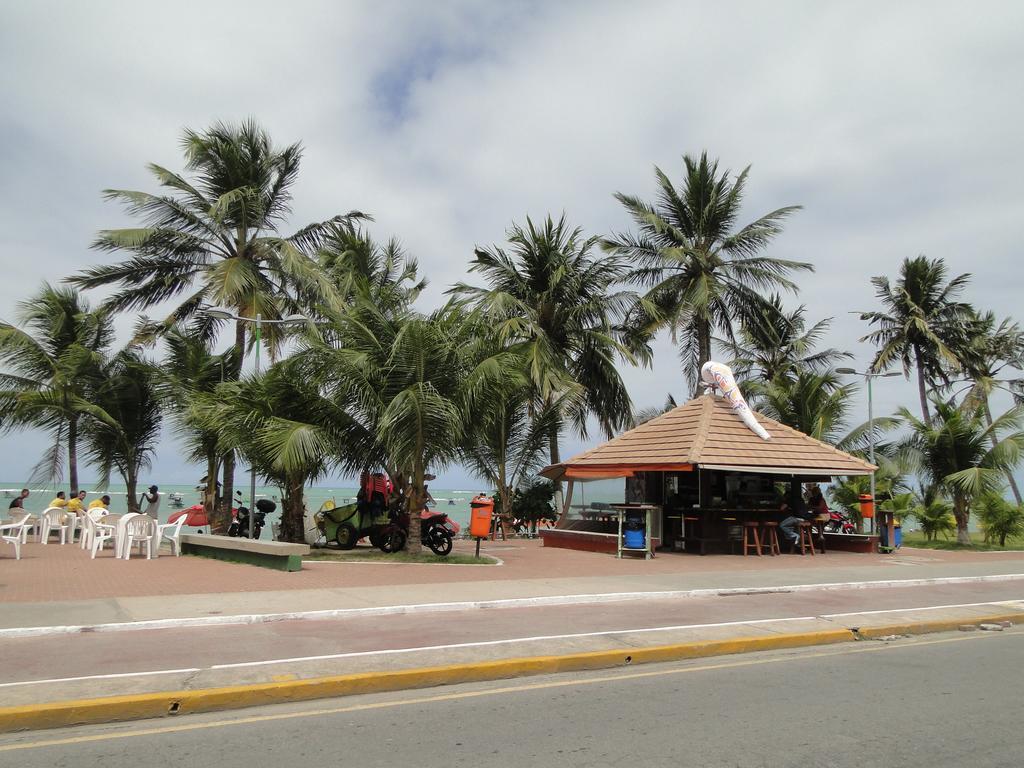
(32, 525)
(89, 521)
(103, 530)
(171, 532)
(13, 533)
(53, 518)
(141, 530)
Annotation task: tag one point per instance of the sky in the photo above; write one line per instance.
(895, 125)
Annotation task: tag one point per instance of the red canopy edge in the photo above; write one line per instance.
(609, 471)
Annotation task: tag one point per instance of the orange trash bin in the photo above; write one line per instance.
(481, 511)
(867, 506)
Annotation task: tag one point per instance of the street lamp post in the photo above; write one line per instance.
(868, 376)
(259, 322)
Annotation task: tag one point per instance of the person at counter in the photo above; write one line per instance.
(794, 512)
(816, 503)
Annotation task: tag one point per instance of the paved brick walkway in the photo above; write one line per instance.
(66, 573)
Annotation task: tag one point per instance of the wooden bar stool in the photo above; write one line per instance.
(819, 527)
(751, 528)
(806, 537)
(770, 538)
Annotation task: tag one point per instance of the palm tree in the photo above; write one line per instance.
(359, 267)
(122, 428)
(413, 383)
(955, 452)
(773, 343)
(506, 443)
(889, 481)
(813, 403)
(990, 354)
(214, 239)
(556, 305)
(191, 372)
(700, 271)
(934, 513)
(284, 425)
(49, 363)
(919, 324)
(999, 518)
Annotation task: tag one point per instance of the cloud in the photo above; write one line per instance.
(895, 125)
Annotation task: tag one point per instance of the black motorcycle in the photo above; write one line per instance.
(436, 531)
(240, 525)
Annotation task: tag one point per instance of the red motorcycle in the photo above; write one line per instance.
(839, 522)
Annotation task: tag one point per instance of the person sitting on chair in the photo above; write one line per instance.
(795, 512)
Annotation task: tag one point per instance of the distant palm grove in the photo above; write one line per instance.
(527, 348)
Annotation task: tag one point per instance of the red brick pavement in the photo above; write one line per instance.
(60, 573)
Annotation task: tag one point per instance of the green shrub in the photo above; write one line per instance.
(999, 518)
(532, 501)
(935, 517)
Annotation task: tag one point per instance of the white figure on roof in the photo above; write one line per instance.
(720, 375)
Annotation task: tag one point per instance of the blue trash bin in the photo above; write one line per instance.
(633, 539)
(897, 535)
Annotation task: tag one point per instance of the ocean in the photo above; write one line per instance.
(453, 501)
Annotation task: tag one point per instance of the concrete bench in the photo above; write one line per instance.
(282, 555)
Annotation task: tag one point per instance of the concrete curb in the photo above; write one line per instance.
(152, 705)
(515, 602)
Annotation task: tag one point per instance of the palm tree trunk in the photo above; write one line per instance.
(703, 329)
(210, 494)
(293, 512)
(922, 389)
(504, 493)
(131, 486)
(1009, 474)
(962, 513)
(73, 454)
(222, 519)
(556, 459)
(414, 542)
(228, 486)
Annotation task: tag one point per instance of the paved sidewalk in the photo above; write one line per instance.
(61, 586)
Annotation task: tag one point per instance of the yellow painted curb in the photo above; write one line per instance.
(151, 705)
(937, 625)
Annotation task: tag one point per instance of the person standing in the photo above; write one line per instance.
(19, 502)
(151, 499)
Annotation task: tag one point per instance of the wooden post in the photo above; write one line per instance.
(563, 519)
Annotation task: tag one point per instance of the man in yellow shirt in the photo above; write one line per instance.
(101, 503)
(77, 504)
(60, 501)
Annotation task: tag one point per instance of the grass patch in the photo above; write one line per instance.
(978, 543)
(367, 555)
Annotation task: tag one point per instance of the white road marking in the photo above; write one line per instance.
(102, 677)
(516, 602)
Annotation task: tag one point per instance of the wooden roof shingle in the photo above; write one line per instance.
(706, 432)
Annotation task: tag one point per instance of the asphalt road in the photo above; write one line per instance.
(939, 700)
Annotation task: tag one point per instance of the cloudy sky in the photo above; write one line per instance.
(896, 125)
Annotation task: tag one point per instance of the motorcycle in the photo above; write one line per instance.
(437, 531)
(240, 525)
(839, 522)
